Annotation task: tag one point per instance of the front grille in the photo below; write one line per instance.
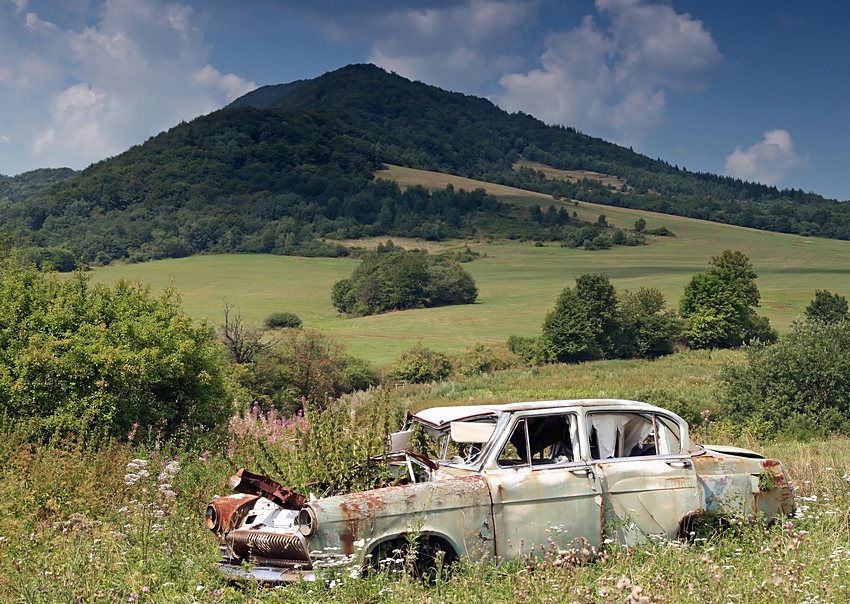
(279, 549)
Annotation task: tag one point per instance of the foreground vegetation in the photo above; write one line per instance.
(123, 522)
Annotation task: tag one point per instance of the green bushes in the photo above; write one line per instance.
(308, 364)
(395, 279)
(481, 359)
(590, 321)
(718, 306)
(283, 320)
(89, 358)
(419, 364)
(799, 386)
(827, 307)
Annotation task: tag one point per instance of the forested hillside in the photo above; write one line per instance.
(289, 169)
(417, 125)
(31, 184)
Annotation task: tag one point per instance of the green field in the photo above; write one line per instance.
(518, 283)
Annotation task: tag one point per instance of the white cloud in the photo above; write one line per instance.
(613, 80)
(4, 138)
(33, 22)
(767, 161)
(20, 5)
(456, 46)
(231, 84)
(124, 71)
(43, 140)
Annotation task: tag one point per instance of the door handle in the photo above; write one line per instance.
(582, 472)
(683, 463)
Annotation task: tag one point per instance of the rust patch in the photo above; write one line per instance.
(678, 482)
(254, 484)
(347, 542)
(223, 513)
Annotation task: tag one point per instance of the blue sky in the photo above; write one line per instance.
(753, 89)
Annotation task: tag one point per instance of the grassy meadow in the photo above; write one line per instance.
(74, 528)
(517, 282)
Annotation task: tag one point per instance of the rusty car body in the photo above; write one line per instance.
(502, 480)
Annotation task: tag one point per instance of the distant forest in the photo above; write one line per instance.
(288, 169)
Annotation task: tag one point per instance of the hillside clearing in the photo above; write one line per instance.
(517, 281)
(571, 175)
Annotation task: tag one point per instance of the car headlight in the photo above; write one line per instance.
(307, 521)
(213, 520)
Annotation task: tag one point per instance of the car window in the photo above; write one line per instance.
(669, 439)
(618, 435)
(515, 451)
(542, 440)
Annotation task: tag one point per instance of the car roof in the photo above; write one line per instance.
(439, 416)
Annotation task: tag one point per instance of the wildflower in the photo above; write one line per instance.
(169, 471)
(131, 479)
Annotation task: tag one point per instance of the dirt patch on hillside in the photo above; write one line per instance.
(408, 243)
(571, 175)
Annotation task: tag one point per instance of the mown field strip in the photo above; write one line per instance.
(518, 282)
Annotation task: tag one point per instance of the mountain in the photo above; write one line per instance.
(289, 169)
(31, 184)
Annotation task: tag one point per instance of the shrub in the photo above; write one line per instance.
(90, 358)
(298, 363)
(419, 364)
(827, 307)
(801, 383)
(568, 334)
(649, 330)
(480, 359)
(357, 374)
(305, 363)
(599, 299)
(661, 231)
(529, 350)
(283, 320)
(395, 279)
(718, 305)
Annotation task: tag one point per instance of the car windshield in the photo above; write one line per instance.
(448, 446)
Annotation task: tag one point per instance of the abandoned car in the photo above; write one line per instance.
(498, 481)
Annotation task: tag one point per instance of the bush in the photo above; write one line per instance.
(649, 330)
(395, 279)
(480, 359)
(419, 365)
(90, 358)
(827, 307)
(529, 350)
(800, 384)
(298, 363)
(568, 334)
(357, 374)
(718, 306)
(283, 320)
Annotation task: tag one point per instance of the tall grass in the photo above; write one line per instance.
(124, 523)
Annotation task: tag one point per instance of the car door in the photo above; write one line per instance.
(544, 496)
(648, 483)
